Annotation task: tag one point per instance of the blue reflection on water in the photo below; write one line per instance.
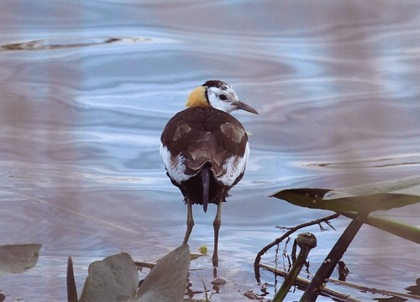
(82, 115)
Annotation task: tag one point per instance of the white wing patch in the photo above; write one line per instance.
(174, 165)
(234, 167)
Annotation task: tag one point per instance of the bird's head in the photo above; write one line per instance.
(219, 95)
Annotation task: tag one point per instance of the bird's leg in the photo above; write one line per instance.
(190, 222)
(216, 225)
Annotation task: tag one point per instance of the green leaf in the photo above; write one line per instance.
(314, 198)
(166, 282)
(384, 195)
(18, 258)
(113, 279)
(402, 230)
(371, 197)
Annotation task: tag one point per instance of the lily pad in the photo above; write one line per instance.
(314, 198)
(369, 197)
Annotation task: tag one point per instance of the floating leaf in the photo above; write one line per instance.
(18, 258)
(314, 198)
(166, 282)
(113, 279)
(371, 197)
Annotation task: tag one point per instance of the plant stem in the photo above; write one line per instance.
(306, 242)
(71, 283)
(336, 253)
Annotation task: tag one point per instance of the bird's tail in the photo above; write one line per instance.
(205, 179)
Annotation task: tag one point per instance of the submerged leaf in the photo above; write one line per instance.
(166, 282)
(314, 198)
(113, 279)
(18, 258)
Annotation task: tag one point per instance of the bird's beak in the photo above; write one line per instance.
(243, 106)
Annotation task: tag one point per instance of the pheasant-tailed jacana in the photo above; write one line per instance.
(205, 150)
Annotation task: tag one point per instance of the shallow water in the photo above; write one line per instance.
(86, 90)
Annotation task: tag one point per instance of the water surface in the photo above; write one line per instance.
(86, 89)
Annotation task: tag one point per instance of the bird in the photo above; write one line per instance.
(205, 150)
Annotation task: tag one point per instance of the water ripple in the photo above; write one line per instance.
(87, 87)
(64, 43)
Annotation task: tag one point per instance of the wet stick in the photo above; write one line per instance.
(306, 242)
(336, 253)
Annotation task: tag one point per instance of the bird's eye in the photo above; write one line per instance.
(223, 97)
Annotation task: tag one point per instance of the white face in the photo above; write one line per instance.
(222, 98)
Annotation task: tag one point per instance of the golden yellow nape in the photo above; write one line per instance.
(198, 97)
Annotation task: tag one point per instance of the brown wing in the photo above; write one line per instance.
(201, 135)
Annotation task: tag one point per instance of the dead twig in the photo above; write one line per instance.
(300, 282)
(286, 235)
(303, 283)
